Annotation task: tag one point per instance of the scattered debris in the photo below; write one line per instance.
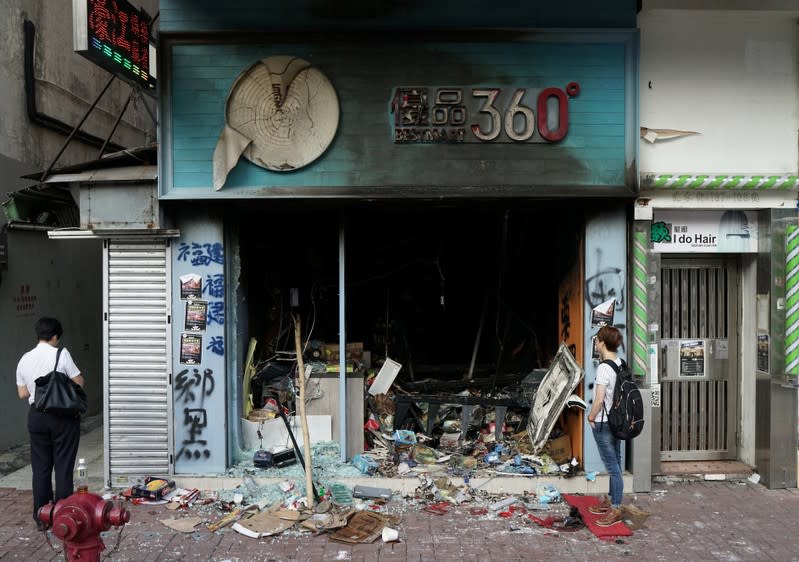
(363, 527)
(185, 525)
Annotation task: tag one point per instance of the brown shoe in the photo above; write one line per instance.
(612, 517)
(601, 508)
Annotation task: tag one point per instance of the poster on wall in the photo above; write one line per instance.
(711, 231)
(196, 316)
(602, 314)
(692, 358)
(762, 353)
(191, 286)
(594, 348)
(191, 349)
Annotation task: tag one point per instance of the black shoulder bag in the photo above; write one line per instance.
(57, 394)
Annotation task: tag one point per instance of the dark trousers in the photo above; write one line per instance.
(54, 445)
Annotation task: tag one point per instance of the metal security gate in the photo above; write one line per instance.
(136, 359)
(699, 369)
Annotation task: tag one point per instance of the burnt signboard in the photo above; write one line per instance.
(480, 115)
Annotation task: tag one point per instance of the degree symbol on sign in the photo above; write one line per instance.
(573, 89)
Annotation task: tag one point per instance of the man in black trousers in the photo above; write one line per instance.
(54, 439)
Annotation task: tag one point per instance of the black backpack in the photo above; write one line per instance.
(626, 415)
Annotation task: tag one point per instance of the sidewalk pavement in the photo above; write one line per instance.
(690, 520)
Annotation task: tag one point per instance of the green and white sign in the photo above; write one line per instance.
(686, 231)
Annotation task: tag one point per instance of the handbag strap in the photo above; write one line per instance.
(57, 356)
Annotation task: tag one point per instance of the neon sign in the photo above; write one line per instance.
(115, 35)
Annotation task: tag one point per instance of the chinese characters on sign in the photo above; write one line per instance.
(463, 115)
(710, 231)
(115, 35)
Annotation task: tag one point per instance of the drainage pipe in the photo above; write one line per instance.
(42, 119)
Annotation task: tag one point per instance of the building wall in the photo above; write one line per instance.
(63, 276)
(605, 278)
(733, 78)
(727, 71)
(66, 85)
(179, 16)
(64, 280)
(199, 387)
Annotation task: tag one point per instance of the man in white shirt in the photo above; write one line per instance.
(54, 439)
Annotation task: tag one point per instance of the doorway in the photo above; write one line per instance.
(699, 366)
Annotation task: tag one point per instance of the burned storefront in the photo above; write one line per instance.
(451, 226)
(413, 232)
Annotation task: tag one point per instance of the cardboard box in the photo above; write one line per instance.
(560, 449)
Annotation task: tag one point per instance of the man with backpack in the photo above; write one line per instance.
(608, 340)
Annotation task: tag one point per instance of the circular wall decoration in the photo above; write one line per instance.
(281, 114)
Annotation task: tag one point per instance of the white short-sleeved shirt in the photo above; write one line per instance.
(607, 376)
(38, 362)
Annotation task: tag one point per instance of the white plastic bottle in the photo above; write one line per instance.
(81, 476)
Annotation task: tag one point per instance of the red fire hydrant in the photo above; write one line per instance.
(78, 521)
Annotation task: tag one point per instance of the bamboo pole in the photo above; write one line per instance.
(306, 438)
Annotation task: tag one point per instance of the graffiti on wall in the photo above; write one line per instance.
(194, 384)
(193, 388)
(603, 284)
(198, 253)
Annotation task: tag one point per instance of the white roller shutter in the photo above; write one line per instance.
(137, 398)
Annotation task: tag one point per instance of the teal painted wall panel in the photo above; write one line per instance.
(179, 16)
(605, 278)
(363, 154)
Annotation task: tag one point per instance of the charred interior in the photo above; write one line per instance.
(465, 299)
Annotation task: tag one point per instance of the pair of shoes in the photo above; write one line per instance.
(612, 517)
(601, 508)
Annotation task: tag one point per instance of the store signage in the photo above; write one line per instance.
(721, 231)
(479, 115)
(115, 35)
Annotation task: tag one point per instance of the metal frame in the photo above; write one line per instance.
(106, 353)
(690, 395)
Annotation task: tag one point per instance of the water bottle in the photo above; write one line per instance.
(82, 476)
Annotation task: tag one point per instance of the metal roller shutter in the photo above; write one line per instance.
(136, 360)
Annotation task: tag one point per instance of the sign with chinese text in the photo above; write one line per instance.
(727, 231)
(474, 115)
(115, 35)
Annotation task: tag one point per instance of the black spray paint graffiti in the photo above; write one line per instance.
(604, 284)
(194, 419)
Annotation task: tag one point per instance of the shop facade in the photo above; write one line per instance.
(438, 178)
(486, 190)
(713, 238)
(459, 201)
